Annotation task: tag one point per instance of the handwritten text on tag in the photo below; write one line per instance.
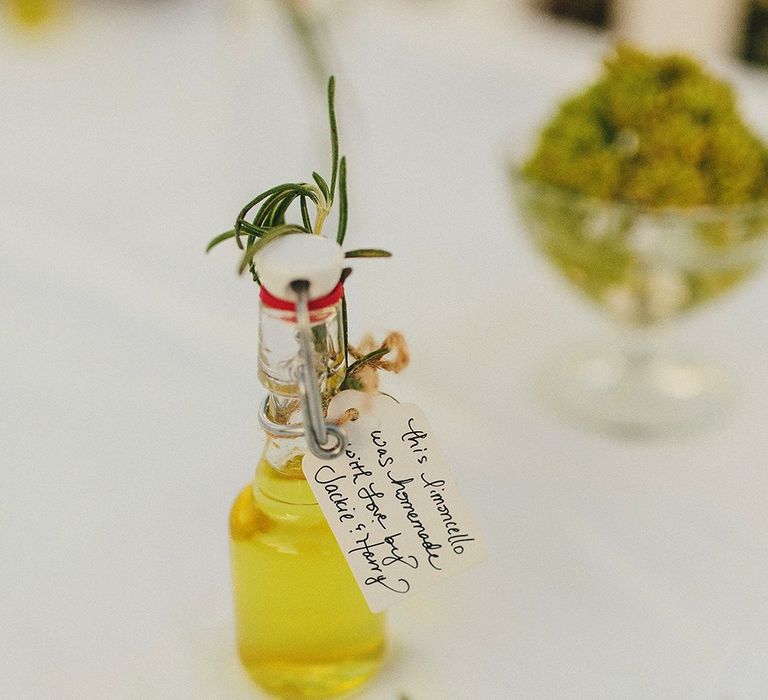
(391, 502)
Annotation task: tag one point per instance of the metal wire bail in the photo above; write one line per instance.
(317, 432)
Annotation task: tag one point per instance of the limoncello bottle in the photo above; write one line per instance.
(303, 627)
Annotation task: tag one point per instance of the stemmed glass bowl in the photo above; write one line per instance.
(644, 267)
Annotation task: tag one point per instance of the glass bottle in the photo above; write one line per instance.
(303, 626)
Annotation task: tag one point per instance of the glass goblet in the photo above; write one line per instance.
(644, 267)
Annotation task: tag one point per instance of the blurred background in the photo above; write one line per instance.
(131, 133)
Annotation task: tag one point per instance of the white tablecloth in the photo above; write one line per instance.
(130, 134)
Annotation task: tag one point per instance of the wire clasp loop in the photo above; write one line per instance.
(317, 432)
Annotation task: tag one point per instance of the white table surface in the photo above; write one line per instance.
(132, 133)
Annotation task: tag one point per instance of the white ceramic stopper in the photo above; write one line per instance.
(300, 256)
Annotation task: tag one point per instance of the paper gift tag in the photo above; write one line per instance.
(391, 502)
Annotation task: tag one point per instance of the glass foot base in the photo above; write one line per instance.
(635, 395)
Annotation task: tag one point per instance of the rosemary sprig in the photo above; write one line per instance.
(322, 184)
(343, 207)
(334, 136)
(345, 273)
(368, 253)
(252, 232)
(367, 359)
(305, 214)
(351, 381)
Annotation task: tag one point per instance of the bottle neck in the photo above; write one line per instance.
(279, 484)
(284, 453)
(279, 352)
(278, 373)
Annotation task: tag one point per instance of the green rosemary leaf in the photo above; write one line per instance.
(273, 190)
(266, 212)
(343, 208)
(277, 217)
(368, 253)
(247, 208)
(345, 273)
(367, 359)
(322, 184)
(221, 237)
(272, 211)
(251, 230)
(334, 137)
(266, 239)
(305, 214)
(245, 227)
(315, 194)
(345, 329)
(351, 382)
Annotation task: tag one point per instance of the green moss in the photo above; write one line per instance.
(656, 131)
(659, 134)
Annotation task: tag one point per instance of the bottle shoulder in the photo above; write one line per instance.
(275, 504)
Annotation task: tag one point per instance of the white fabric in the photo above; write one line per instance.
(131, 134)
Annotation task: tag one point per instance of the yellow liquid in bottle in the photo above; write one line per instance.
(303, 627)
(31, 12)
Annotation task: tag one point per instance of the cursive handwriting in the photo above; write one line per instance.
(455, 535)
(414, 437)
(335, 495)
(385, 459)
(356, 466)
(370, 494)
(401, 494)
(366, 549)
(394, 556)
(381, 578)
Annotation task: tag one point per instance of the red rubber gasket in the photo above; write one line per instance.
(273, 302)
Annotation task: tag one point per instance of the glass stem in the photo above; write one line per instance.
(641, 345)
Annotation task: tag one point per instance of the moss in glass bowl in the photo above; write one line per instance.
(648, 190)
